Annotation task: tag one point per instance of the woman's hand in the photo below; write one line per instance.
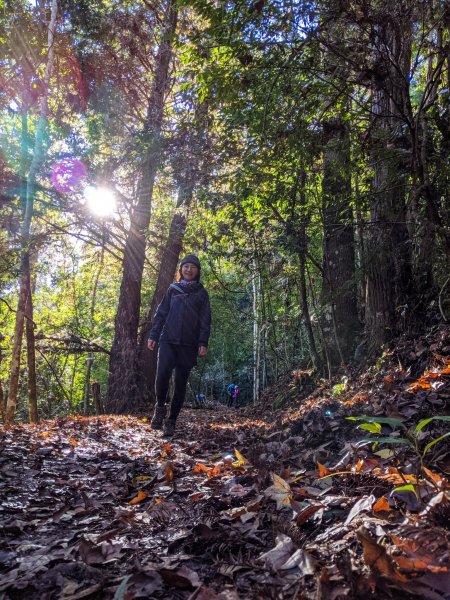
(151, 344)
(202, 350)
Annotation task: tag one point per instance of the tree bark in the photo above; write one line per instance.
(256, 288)
(2, 395)
(426, 215)
(25, 278)
(97, 398)
(388, 263)
(122, 365)
(90, 357)
(340, 317)
(31, 358)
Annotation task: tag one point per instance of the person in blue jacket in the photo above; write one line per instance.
(181, 326)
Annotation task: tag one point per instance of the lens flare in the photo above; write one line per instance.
(68, 174)
(100, 201)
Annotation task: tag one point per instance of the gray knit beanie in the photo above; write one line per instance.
(191, 258)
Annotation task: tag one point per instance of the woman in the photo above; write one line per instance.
(182, 326)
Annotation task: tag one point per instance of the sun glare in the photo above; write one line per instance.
(100, 201)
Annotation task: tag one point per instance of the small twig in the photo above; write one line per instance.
(52, 369)
(440, 300)
(14, 311)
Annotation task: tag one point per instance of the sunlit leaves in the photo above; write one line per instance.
(241, 460)
(280, 491)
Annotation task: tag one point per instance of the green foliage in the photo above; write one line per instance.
(412, 435)
(337, 389)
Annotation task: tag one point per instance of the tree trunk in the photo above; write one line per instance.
(299, 242)
(256, 285)
(31, 358)
(97, 398)
(122, 365)
(426, 217)
(90, 358)
(2, 396)
(340, 317)
(388, 273)
(25, 278)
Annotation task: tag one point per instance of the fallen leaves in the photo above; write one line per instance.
(245, 508)
(99, 554)
(430, 380)
(377, 558)
(280, 491)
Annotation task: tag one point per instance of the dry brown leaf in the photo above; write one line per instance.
(278, 556)
(182, 577)
(168, 468)
(376, 557)
(280, 491)
(307, 513)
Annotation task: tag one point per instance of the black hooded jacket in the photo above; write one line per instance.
(183, 317)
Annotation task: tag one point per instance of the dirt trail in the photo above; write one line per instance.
(231, 507)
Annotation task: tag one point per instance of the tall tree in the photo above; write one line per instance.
(122, 375)
(389, 263)
(25, 277)
(340, 317)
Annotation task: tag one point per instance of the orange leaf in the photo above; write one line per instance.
(381, 505)
(139, 498)
(214, 471)
(432, 476)
(418, 565)
(200, 467)
(323, 471)
(359, 465)
(168, 469)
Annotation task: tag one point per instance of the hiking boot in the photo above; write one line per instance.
(169, 427)
(158, 417)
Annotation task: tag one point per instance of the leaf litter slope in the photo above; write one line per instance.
(232, 507)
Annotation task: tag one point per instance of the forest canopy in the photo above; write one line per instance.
(301, 149)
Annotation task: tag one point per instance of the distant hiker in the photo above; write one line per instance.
(236, 393)
(232, 393)
(181, 326)
(200, 401)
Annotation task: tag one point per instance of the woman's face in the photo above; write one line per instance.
(189, 271)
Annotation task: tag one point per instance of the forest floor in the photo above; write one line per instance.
(241, 504)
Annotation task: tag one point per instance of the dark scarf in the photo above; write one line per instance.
(189, 285)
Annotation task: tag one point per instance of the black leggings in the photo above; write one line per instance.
(182, 359)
